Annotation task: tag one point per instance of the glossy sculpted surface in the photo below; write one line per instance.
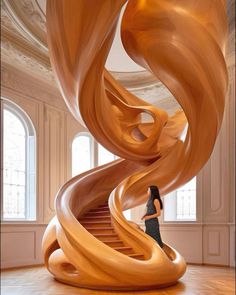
(89, 243)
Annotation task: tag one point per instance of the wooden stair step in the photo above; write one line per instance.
(99, 210)
(136, 255)
(113, 243)
(95, 218)
(104, 206)
(106, 236)
(124, 250)
(92, 216)
(96, 224)
(101, 213)
(99, 229)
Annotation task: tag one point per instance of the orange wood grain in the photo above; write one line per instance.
(182, 43)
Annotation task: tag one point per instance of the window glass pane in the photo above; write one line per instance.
(81, 154)
(19, 166)
(104, 156)
(180, 205)
(186, 201)
(170, 206)
(14, 166)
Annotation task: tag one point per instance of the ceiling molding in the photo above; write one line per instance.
(24, 46)
(29, 20)
(18, 52)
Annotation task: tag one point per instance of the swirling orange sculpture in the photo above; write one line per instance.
(89, 243)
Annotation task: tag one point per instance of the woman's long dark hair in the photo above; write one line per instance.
(155, 195)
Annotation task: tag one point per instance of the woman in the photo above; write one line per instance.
(154, 207)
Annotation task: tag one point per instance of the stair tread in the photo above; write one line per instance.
(99, 211)
(94, 217)
(103, 207)
(112, 241)
(135, 254)
(103, 212)
(122, 248)
(106, 227)
(105, 234)
(96, 222)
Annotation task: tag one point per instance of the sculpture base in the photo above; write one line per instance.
(108, 288)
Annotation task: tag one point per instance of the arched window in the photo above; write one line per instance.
(104, 156)
(86, 154)
(82, 153)
(19, 193)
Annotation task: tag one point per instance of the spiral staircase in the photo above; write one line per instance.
(89, 243)
(97, 221)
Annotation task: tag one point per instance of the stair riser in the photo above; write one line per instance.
(100, 231)
(126, 251)
(100, 211)
(89, 214)
(96, 219)
(114, 244)
(113, 238)
(96, 225)
(103, 207)
(140, 257)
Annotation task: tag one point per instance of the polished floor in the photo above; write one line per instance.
(198, 280)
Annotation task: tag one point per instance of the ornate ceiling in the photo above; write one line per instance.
(24, 45)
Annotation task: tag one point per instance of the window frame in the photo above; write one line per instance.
(92, 153)
(98, 145)
(94, 150)
(31, 213)
(184, 221)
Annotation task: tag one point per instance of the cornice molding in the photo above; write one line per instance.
(16, 51)
(24, 46)
(27, 18)
(16, 83)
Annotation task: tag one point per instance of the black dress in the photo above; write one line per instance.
(152, 225)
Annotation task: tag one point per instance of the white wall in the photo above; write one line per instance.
(55, 130)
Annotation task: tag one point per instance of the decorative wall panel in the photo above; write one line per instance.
(177, 235)
(21, 245)
(216, 244)
(54, 163)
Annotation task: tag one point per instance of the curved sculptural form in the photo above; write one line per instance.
(90, 243)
